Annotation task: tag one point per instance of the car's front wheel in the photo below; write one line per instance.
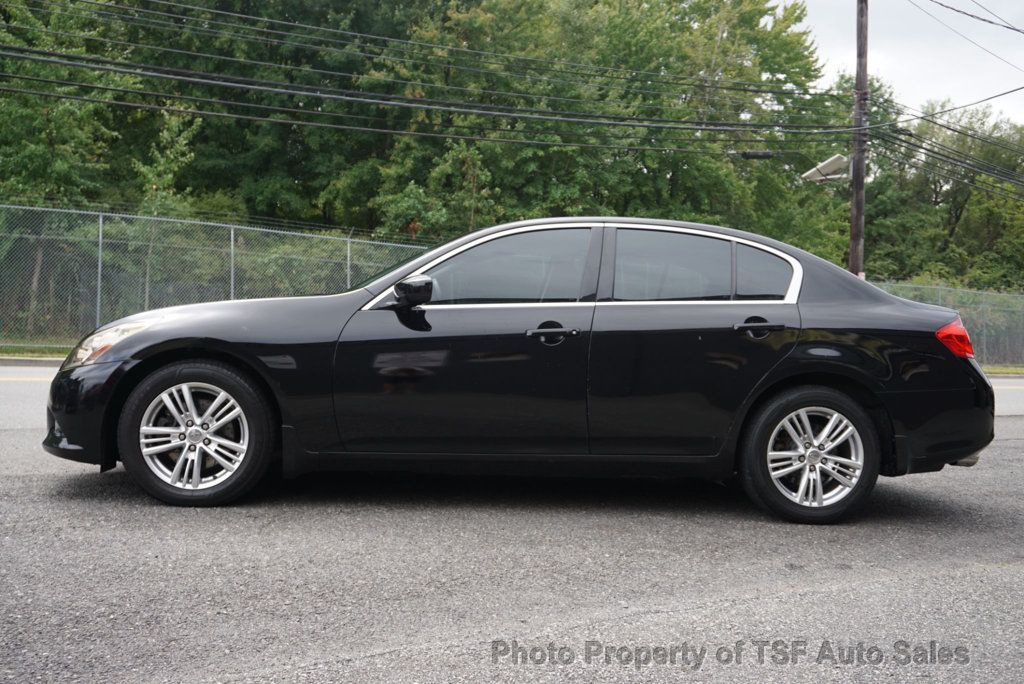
(810, 455)
(196, 433)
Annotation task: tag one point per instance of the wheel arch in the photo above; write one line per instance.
(157, 359)
(859, 389)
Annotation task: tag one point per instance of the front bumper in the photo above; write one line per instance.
(77, 413)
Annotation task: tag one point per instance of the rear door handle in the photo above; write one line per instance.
(540, 332)
(764, 326)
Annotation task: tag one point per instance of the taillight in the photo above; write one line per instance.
(954, 336)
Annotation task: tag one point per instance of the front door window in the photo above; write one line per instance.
(543, 266)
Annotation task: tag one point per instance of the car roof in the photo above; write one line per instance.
(643, 221)
(814, 266)
(380, 283)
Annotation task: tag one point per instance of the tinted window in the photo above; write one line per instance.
(540, 266)
(760, 275)
(657, 265)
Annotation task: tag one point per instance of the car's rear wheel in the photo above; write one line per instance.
(196, 433)
(810, 455)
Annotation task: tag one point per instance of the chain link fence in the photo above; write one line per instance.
(64, 272)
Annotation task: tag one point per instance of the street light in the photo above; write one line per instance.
(833, 168)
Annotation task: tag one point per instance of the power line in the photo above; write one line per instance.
(966, 37)
(192, 53)
(398, 132)
(934, 170)
(346, 53)
(305, 112)
(982, 163)
(943, 158)
(557, 63)
(947, 156)
(408, 60)
(319, 48)
(303, 69)
(931, 168)
(975, 16)
(959, 129)
(367, 129)
(994, 142)
(635, 119)
(951, 159)
(631, 119)
(949, 109)
(138, 69)
(992, 13)
(256, 40)
(380, 99)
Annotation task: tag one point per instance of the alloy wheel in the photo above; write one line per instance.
(194, 435)
(815, 456)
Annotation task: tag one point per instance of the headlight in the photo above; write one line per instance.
(96, 345)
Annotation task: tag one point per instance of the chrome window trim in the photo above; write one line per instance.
(503, 305)
(469, 245)
(792, 293)
(691, 302)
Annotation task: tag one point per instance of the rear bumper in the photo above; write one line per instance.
(935, 428)
(76, 411)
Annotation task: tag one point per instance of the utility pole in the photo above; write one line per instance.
(856, 262)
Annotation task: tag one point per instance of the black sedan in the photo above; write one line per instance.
(653, 346)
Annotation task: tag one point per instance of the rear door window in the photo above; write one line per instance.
(760, 274)
(652, 265)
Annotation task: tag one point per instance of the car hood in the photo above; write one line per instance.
(263, 322)
(239, 310)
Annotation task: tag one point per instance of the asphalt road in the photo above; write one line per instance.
(413, 579)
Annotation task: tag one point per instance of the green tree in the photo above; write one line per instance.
(664, 61)
(51, 149)
(171, 152)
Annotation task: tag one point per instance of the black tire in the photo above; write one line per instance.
(753, 464)
(258, 413)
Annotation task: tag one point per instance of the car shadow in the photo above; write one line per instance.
(506, 491)
(893, 501)
(114, 486)
(890, 502)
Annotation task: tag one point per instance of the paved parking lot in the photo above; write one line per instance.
(413, 579)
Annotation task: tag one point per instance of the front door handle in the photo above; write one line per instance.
(554, 332)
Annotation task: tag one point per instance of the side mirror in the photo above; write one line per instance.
(414, 290)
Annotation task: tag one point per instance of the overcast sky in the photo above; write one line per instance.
(919, 57)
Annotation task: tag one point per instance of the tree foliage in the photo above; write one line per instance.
(925, 221)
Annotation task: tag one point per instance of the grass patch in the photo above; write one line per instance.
(42, 352)
(1003, 369)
